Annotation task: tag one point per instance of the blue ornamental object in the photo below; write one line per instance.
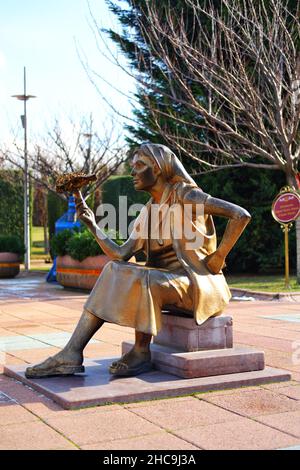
(66, 221)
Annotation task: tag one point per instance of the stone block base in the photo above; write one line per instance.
(97, 387)
(183, 333)
(204, 363)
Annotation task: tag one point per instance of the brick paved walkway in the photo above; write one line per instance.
(36, 319)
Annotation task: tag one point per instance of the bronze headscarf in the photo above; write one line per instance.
(170, 165)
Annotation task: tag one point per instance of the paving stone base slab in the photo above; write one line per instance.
(97, 387)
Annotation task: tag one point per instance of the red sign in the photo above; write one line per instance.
(286, 207)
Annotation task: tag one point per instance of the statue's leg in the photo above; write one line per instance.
(137, 360)
(69, 360)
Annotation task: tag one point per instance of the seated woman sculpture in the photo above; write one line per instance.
(176, 275)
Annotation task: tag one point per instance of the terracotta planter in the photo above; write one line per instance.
(79, 274)
(9, 264)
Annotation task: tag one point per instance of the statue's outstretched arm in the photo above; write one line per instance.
(109, 247)
(112, 249)
(238, 219)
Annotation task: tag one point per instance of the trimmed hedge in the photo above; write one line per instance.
(11, 203)
(12, 244)
(83, 244)
(77, 243)
(116, 186)
(261, 246)
(56, 208)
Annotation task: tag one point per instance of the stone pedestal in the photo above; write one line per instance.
(190, 365)
(183, 333)
(189, 351)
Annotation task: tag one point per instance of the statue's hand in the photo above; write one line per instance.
(215, 262)
(84, 213)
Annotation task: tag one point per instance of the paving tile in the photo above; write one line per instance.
(286, 422)
(254, 403)
(33, 329)
(34, 341)
(241, 434)
(232, 391)
(296, 376)
(264, 341)
(9, 359)
(42, 406)
(113, 336)
(5, 332)
(281, 333)
(181, 413)
(64, 325)
(35, 356)
(32, 436)
(292, 392)
(12, 413)
(10, 323)
(102, 350)
(123, 329)
(275, 386)
(36, 317)
(293, 318)
(280, 359)
(48, 307)
(102, 426)
(158, 441)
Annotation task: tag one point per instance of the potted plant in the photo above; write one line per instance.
(12, 250)
(80, 259)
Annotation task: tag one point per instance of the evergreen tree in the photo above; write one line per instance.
(133, 45)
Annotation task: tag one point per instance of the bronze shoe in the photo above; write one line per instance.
(50, 367)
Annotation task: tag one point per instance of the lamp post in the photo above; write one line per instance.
(25, 98)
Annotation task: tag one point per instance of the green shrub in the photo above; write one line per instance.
(59, 242)
(12, 244)
(83, 244)
(56, 208)
(78, 243)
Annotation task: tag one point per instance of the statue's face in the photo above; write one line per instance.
(144, 171)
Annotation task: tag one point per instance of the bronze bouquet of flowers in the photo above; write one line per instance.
(72, 182)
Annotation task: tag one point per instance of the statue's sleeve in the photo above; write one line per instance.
(189, 194)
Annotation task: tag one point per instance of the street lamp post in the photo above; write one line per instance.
(25, 98)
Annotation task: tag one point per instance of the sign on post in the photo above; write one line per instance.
(285, 210)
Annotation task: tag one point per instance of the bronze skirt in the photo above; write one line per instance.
(132, 295)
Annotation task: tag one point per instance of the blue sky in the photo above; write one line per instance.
(42, 35)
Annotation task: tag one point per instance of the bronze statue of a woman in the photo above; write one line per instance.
(175, 276)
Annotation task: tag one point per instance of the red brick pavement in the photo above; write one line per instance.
(265, 417)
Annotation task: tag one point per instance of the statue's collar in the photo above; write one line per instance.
(165, 195)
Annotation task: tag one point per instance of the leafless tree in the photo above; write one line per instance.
(79, 148)
(244, 58)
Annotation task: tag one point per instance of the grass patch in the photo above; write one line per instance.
(263, 283)
(37, 243)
